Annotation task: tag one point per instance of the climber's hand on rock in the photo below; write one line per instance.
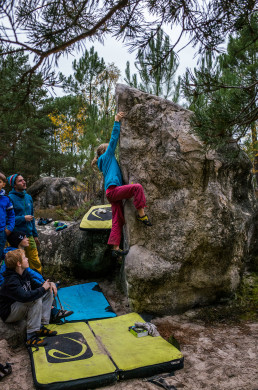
(119, 116)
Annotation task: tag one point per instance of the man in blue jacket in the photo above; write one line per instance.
(24, 218)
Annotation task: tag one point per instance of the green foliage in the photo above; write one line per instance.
(56, 213)
(55, 136)
(47, 29)
(67, 118)
(92, 84)
(222, 91)
(23, 135)
(81, 211)
(157, 67)
(84, 79)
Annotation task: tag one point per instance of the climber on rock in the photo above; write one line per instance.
(116, 191)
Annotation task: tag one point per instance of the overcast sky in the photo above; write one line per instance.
(115, 51)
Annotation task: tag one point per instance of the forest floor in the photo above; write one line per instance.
(218, 356)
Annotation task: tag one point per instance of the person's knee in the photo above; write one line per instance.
(37, 302)
(48, 293)
(138, 187)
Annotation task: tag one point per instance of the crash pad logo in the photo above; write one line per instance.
(100, 214)
(67, 347)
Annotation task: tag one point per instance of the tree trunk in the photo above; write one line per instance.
(255, 152)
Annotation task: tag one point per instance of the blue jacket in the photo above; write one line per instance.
(33, 274)
(7, 216)
(23, 205)
(107, 162)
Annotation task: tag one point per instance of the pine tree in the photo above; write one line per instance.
(47, 29)
(156, 70)
(86, 72)
(22, 140)
(223, 92)
(92, 85)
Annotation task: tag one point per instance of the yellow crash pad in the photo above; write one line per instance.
(98, 217)
(71, 358)
(135, 357)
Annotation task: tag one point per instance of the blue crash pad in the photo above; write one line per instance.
(87, 302)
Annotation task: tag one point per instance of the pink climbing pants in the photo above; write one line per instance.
(115, 195)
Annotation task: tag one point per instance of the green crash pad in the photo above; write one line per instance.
(71, 360)
(135, 357)
(97, 218)
(98, 353)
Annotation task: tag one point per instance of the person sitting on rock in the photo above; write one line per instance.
(22, 297)
(18, 240)
(116, 191)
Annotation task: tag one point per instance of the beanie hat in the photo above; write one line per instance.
(15, 238)
(11, 179)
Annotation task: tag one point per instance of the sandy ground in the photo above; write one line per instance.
(220, 357)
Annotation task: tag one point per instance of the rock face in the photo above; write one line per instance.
(253, 253)
(66, 192)
(14, 333)
(73, 252)
(201, 206)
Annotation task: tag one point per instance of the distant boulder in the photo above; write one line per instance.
(64, 192)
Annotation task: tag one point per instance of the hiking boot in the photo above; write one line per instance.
(45, 332)
(60, 314)
(119, 252)
(145, 220)
(36, 342)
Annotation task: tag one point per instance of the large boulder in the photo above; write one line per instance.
(201, 205)
(64, 192)
(72, 252)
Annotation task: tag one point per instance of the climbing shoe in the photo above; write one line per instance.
(55, 319)
(45, 332)
(36, 342)
(145, 220)
(119, 252)
(5, 370)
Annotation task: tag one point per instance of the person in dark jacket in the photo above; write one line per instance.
(24, 218)
(7, 216)
(23, 297)
(18, 240)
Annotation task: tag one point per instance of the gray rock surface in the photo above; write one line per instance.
(14, 333)
(73, 252)
(201, 206)
(65, 192)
